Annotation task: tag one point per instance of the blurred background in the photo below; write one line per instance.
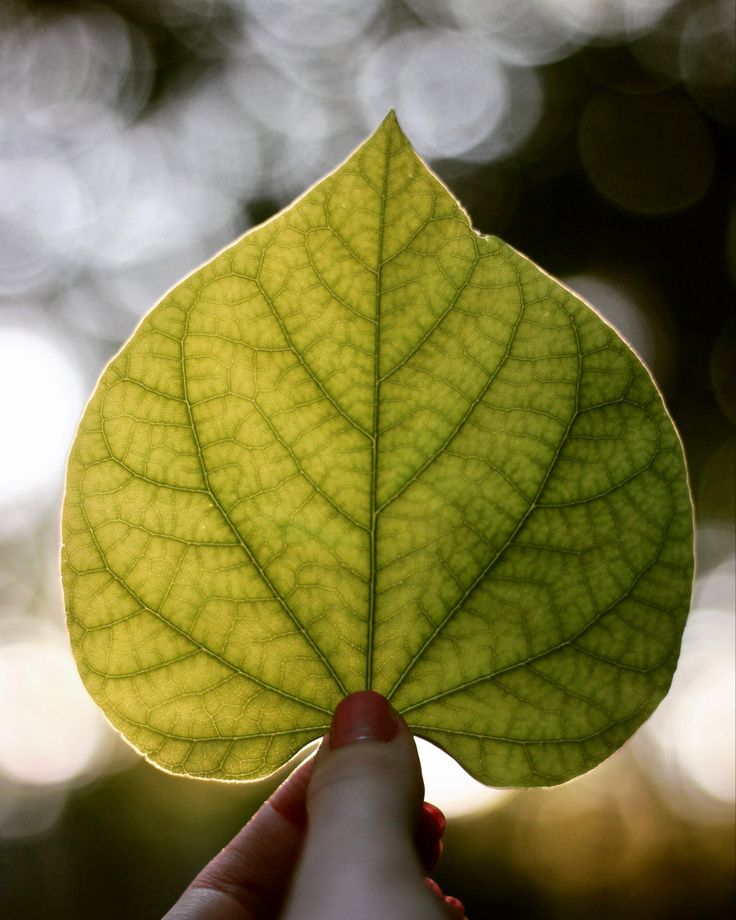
(136, 139)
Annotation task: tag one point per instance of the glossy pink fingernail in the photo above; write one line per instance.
(363, 716)
(430, 828)
(433, 887)
(456, 903)
(435, 818)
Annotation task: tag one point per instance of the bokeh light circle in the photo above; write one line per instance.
(608, 18)
(707, 60)
(689, 744)
(519, 31)
(449, 95)
(216, 138)
(51, 732)
(43, 208)
(148, 205)
(648, 154)
(41, 398)
(314, 25)
(66, 69)
(635, 311)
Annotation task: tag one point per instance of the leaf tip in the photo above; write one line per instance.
(391, 122)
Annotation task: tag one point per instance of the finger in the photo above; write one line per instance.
(454, 906)
(364, 802)
(247, 880)
(430, 829)
(367, 774)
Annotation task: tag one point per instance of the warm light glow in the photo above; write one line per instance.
(41, 398)
(50, 731)
(29, 811)
(689, 744)
(449, 787)
(706, 745)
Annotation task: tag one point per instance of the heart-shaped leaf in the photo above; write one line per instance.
(366, 447)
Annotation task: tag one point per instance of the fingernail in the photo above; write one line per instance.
(363, 716)
(433, 819)
(434, 887)
(456, 903)
(430, 829)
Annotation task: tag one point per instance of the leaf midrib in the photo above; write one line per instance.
(374, 510)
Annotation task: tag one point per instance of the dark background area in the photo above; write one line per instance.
(136, 139)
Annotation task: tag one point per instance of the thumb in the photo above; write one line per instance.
(367, 779)
(364, 802)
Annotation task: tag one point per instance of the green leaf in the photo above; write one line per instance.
(366, 446)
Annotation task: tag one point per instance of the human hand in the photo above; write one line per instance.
(346, 837)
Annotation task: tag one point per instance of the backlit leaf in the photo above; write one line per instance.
(365, 446)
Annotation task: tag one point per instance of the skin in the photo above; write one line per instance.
(346, 835)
